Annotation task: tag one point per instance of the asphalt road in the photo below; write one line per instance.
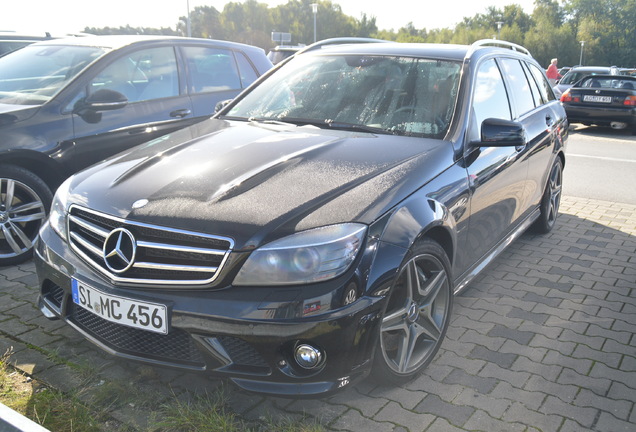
(601, 164)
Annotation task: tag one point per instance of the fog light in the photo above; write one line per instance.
(307, 356)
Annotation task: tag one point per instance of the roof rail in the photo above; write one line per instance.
(499, 43)
(339, 41)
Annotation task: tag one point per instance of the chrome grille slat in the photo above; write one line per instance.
(172, 267)
(187, 249)
(91, 227)
(88, 245)
(165, 257)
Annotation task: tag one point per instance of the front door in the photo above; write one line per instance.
(149, 78)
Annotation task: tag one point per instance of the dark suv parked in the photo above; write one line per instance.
(11, 41)
(66, 104)
(320, 225)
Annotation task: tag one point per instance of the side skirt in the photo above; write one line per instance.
(469, 275)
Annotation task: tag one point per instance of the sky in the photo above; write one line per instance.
(71, 16)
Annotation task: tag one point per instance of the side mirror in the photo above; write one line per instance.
(104, 100)
(501, 133)
(220, 105)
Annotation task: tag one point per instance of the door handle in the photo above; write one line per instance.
(548, 120)
(181, 113)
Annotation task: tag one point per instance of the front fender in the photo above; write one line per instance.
(439, 211)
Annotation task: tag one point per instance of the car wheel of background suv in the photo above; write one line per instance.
(24, 204)
(417, 315)
(551, 200)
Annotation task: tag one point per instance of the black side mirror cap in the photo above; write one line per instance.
(104, 100)
(501, 133)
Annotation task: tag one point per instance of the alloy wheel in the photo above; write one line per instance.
(555, 185)
(22, 212)
(413, 326)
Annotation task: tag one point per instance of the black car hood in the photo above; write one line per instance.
(14, 113)
(255, 182)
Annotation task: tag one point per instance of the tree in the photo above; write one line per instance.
(204, 23)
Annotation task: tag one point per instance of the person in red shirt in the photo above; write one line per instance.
(552, 72)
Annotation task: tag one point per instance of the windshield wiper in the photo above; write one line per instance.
(358, 127)
(267, 120)
(334, 125)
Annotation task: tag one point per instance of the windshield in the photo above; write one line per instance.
(34, 74)
(396, 95)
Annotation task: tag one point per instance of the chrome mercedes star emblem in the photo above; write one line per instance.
(140, 203)
(119, 250)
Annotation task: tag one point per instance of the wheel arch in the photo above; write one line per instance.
(416, 220)
(41, 165)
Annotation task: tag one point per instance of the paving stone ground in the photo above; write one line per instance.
(543, 340)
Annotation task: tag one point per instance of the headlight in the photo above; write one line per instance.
(309, 256)
(57, 217)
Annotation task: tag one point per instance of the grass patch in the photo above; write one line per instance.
(89, 407)
(52, 409)
(210, 413)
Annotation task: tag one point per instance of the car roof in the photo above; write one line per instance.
(432, 50)
(612, 77)
(118, 41)
(454, 52)
(590, 69)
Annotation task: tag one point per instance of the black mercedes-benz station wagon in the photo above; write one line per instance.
(320, 225)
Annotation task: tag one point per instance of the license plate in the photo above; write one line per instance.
(603, 99)
(121, 310)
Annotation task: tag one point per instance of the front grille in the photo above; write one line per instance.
(164, 256)
(176, 347)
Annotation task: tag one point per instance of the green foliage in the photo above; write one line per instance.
(554, 29)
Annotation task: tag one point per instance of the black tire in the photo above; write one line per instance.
(24, 205)
(417, 315)
(551, 200)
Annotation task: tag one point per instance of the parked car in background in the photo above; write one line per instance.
(11, 41)
(281, 52)
(316, 228)
(604, 100)
(577, 73)
(68, 103)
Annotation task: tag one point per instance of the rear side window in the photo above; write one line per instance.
(248, 74)
(519, 86)
(211, 69)
(490, 99)
(544, 86)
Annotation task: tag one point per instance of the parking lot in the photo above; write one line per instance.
(543, 341)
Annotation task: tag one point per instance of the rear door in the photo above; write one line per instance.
(157, 104)
(540, 123)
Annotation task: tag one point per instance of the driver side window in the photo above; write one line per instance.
(490, 99)
(142, 75)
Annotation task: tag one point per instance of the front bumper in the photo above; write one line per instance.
(245, 334)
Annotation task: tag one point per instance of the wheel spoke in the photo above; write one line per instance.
(433, 285)
(413, 280)
(395, 321)
(406, 348)
(33, 205)
(8, 235)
